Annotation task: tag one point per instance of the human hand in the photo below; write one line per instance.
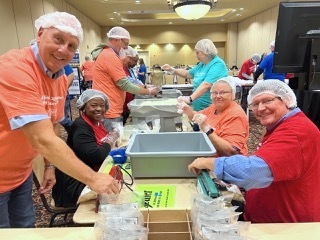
(201, 120)
(201, 163)
(153, 90)
(183, 107)
(49, 180)
(104, 183)
(168, 68)
(112, 137)
(185, 99)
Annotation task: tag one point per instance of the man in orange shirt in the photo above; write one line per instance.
(224, 121)
(33, 89)
(86, 72)
(110, 78)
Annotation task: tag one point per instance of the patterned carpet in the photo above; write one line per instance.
(43, 216)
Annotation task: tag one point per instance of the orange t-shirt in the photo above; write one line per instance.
(87, 67)
(24, 90)
(107, 70)
(231, 125)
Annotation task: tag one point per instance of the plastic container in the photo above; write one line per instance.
(167, 155)
(165, 108)
(118, 155)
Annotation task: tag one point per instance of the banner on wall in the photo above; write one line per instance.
(75, 62)
(74, 89)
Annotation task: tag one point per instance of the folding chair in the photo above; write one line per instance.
(38, 168)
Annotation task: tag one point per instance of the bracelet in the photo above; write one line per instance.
(211, 130)
(190, 99)
(47, 166)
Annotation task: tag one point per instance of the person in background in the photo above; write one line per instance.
(248, 67)
(263, 55)
(265, 67)
(234, 71)
(67, 121)
(224, 121)
(281, 177)
(157, 75)
(30, 112)
(210, 69)
(86, 72)
(89, 140)
(110, 78)
(142, 71)
(129, 58)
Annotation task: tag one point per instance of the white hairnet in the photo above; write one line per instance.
(256, 57)
(273, 43)
(229, 82)
(89, 94)
(63, 21)
(275, 87)
(130, 52)
(207, 47)
(118, 33)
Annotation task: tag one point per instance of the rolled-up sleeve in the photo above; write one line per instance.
(247, 172)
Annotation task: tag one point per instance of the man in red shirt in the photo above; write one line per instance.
(248, 67)
(281, 177)
(129, 58)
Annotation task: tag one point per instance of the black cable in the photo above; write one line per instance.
(128, 185)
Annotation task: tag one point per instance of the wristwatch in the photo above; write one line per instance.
(211, 130)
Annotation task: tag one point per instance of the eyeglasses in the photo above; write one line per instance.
(134, 60)
(265, 102)
(125, 43)
(222, 93)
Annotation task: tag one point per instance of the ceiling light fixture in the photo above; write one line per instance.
(193, 9)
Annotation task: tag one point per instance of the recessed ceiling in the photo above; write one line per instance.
(159, 12)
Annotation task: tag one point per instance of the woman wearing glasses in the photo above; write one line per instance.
(224, 121)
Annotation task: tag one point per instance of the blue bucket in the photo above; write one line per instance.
(118, 155)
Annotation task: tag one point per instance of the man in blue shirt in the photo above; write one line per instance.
(265, 67)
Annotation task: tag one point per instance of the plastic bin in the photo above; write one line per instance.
(165, 108)
(167, 155)
(165, 93)
(186, 89)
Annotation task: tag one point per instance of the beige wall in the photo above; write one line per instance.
(235, 42)
(175, 44)
(255, 34)
(17, 23)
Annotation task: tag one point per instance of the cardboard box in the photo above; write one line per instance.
(168, 224)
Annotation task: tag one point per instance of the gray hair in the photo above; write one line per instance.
(207, 47)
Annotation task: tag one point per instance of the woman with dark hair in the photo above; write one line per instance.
(142, 71)
(89, 140)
